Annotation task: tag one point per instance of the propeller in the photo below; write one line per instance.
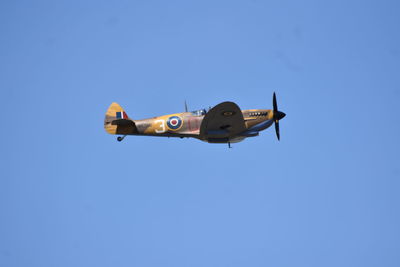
(278, 115)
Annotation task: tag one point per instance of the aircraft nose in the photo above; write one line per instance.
(280, 115)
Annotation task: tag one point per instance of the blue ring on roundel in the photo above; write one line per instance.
(174, 122)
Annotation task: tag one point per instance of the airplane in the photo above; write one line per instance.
(224, 123)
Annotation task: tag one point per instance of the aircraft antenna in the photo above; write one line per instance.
(186, 108)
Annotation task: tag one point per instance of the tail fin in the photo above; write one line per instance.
(117, 121)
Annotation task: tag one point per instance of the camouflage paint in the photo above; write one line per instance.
(184, 124)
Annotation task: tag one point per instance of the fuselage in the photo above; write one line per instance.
(188, 124)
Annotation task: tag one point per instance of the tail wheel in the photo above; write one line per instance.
(120, 138)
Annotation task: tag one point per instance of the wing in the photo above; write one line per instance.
(223, 121)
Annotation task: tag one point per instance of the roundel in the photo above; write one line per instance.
(174, 123)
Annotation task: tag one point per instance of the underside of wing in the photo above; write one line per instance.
(222, 122)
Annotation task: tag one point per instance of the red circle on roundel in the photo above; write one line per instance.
(174, 122)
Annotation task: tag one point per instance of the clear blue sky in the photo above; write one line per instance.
(326, 195)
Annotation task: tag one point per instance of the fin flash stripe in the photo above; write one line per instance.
(121, 115)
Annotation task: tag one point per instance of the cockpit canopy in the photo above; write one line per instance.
(200, 112)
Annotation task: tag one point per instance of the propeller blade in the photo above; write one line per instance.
(274, 103)
(277, 130)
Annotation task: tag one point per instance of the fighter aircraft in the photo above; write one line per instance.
(224, 123)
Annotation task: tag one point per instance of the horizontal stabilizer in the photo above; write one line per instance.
(122, 122)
